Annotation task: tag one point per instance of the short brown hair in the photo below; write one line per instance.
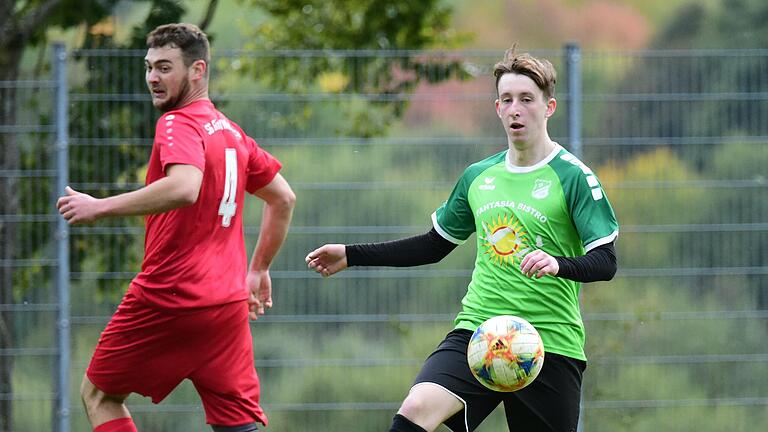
(192, 41)
(540, 71)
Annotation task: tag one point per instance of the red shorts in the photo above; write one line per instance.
(148, 351)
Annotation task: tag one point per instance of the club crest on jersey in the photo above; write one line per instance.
(541, 188)
(488, 184)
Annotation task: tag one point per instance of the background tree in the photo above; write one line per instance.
(22, 25)
(720, 76)
(352, 25)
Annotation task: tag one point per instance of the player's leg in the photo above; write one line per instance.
(551, 402)
(427, 406)
(446, 392)
(102, 409)
(226, 378)
(138, 352)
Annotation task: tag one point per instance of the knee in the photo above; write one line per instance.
(414, 407)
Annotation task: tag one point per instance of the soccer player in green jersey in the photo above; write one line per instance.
(543, 225)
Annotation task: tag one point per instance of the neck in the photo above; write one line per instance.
(193, 95)
(530, 153)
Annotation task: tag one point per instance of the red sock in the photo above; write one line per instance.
(124, 424)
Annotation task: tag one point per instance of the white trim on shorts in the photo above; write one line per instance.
(466, 422)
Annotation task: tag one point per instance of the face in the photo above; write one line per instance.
(167, 77)
(523, 108)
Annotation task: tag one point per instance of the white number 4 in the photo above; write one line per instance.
(228, 206)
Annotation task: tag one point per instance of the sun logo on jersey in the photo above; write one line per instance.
(504, 239)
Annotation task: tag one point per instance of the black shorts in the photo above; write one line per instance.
(550, 403)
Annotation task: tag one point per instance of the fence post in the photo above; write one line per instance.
(573, 77)
(573, 71)
(61, 416)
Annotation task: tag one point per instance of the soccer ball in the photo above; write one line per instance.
(505, 353)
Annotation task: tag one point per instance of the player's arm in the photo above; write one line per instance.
(179, 188)
(279, 201)
(422, 249)
(599, 264)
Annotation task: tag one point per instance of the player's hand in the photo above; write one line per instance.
(539, 263)
(77, 207)
(260, 292)
(328, 259)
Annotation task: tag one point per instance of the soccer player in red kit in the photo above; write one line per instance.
(186, 314)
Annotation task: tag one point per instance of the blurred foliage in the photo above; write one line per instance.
(640, 202)
(645, 204)
(691, 111)
(59, 14)
(725, 24)
(353, 24)
(327, 28)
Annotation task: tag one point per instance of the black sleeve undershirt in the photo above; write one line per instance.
(422, 249)
(597, 264)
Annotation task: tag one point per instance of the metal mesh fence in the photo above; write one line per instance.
(372, 143)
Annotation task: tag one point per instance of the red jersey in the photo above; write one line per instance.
(194, 256)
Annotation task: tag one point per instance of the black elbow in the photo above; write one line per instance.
(613, 265)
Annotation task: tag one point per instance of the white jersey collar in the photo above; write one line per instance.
(525, 169)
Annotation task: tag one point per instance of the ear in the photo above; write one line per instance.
(199, 69)
(551, 106)
(498, 113)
